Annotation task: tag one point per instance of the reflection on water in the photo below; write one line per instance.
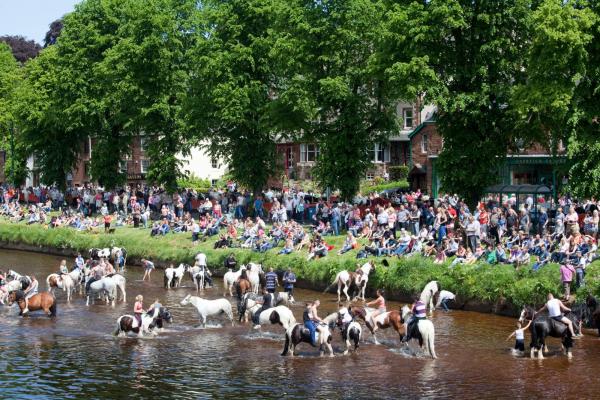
(76, 356)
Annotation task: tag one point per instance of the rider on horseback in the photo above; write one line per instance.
(379, 303)
(63, 269)
(554, 307)
(138, 308)
(419, 311)
(345, 317)
(312, 320)
(29, 292)
(96, 274)
(266, 304)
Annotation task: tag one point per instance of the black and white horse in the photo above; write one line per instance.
(152, 320)
(16, 281)
(543, 326)
(173, 276)
(298, 333)
(351, 333)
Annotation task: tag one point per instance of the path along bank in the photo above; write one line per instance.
(497, 289)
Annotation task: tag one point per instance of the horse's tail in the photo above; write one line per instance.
(53, 308)
(286, 346)
(48, 282)
(337, 277)
(429, 340)
(118, 330)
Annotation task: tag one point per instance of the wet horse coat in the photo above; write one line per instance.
(42, 301)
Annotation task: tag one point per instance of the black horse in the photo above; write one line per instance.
(543, 326)
(594, 311)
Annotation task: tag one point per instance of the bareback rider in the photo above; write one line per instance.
(345, 317)
(266, 304)
(419, 311)
(63, 269)
(555, 308)
(312, 320)
(96, 274)
(32, 290)
(203, 269)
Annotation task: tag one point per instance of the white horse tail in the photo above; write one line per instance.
(48, 282)
(429, 339)
(337, 278)
(229, 312)
(286, 346)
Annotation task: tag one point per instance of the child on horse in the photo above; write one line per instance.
(138, 308)
(419, 311)
(31, 291)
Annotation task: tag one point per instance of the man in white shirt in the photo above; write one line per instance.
(443, 299)
(201, 259)
(555, 308)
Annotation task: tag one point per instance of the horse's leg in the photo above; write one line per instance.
(348, 344)
(346, 287)
(339, 291)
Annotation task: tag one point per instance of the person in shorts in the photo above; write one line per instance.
(519, 335)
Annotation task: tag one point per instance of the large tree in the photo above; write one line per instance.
(335, 77)
(53, 33)
(22, 48)
(476, 50)
(233, 98)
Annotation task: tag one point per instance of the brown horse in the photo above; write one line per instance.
(242, 286)
(41, 301)
(390, 319)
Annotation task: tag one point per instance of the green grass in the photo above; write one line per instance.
(487, 283)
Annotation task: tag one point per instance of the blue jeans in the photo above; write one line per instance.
(335, 224)
(445, 305)
(579, 278)
(441, 234)
(310, 325)
(400, 250)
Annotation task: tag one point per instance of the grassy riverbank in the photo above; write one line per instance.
(499, 284)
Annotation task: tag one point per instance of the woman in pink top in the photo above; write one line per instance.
(566, 277)
(379, 304)
(138, 308)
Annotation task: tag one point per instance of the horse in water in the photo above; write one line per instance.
(543, 326)
(594, 311)
(426, 332)
(346, 279)
(298, 333)
(208, 308)
(242, 286)
(229, 280)
(429, 295)
(17, 281)
(64, 282)
(173, 276)
(389, 319)
(281, 315)
(256, 276)
(351, 333)
(154, 318)
(42, 301)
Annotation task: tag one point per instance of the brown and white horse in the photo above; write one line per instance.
(42, 301)
(298, 333)
(151, 320)
(64, 282)
(390, 319)
(346, 279)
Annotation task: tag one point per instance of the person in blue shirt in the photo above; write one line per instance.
(271, 281)
(289, 279)
(258, 211)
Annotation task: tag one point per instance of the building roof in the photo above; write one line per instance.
(430, 121)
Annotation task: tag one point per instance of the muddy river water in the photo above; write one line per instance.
(76, 356)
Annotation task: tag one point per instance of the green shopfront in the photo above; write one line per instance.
(520, 170)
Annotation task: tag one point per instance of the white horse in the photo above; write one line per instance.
(275, 315)
(77, 277)
(208, 308)
(345, 279)
(229, 279)
(120, 282)
(104, 287)
(173, 276)
(428, 295)
(64, 282)
(254, 271)
(426, 330)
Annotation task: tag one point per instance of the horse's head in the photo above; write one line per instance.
(359, 312)
(186, 300)
(527, 314)
(11, 274)
(15, 296)
(404, 312)
(165, 314)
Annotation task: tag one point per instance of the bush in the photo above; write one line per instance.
(194, 182)
(384, 186)
(399, 172)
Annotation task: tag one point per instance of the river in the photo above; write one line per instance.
(75, 355)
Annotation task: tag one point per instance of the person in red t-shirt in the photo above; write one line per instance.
(107, 219)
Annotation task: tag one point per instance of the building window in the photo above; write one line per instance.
(289, 155)
(370, 176)
(424, 144)
(213, 182)
(309, 152)
(145, 166)
(407, 117)
(123, 166)
(86, 146)
(214, 163)
(143, 144)
(381, 153)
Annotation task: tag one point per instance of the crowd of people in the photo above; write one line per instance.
(499, 231)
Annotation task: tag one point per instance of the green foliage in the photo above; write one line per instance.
(194, 182)
(398, 172)
(378, 188)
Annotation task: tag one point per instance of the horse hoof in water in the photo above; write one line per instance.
(569, 355)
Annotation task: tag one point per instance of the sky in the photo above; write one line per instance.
(31, 18)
